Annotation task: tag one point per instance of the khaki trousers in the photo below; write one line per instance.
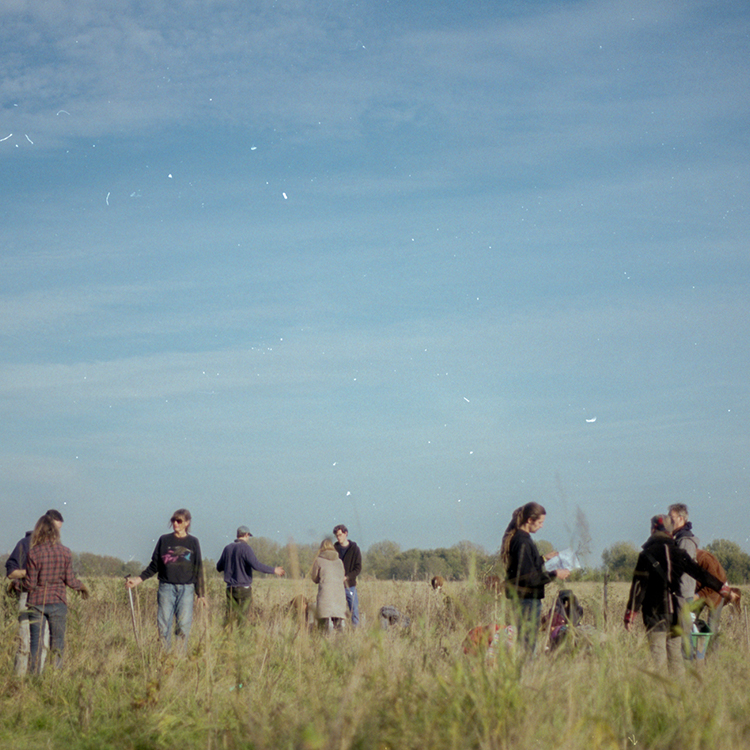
(666, 651)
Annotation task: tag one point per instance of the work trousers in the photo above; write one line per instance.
(239, 602)
(666, 651)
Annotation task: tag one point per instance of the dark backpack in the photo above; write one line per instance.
(567, 609)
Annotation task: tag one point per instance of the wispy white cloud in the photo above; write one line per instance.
(242, 243)
(132, 69)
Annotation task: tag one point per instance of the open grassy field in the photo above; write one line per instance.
(279, 686)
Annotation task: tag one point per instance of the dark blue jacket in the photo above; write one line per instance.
(237, 562)
(17, 559)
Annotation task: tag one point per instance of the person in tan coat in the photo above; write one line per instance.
(328, 572)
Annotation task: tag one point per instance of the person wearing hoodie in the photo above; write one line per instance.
(351, 556)
(655, 589)
(328, 572)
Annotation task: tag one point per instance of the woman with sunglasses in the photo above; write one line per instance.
(178, 564)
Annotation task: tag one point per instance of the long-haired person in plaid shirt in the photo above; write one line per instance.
(15, 569)
(49, 572)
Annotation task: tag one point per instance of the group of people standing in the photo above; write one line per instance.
(341, 558)
(177, 563)
(40, 571)
(663, 587)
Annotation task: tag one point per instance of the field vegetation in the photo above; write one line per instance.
(278, 685)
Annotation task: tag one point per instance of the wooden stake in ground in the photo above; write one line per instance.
(549, 624)
(132, 617)
(604, 603)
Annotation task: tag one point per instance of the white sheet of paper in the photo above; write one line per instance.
(565, 559)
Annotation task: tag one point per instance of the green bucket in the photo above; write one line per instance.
(699, 639)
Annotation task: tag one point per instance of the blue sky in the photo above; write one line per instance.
(290, 264)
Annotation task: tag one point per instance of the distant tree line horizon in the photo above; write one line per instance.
(386, 560)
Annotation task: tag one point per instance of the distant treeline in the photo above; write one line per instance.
(387, 561)
(85, 564)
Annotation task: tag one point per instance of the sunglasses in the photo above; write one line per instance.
(177, 520)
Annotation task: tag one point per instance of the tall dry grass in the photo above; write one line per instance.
(279, 686)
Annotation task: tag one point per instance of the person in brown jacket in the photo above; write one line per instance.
(706, 597)
(328, 572)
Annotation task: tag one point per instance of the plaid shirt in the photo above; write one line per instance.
(48, 571)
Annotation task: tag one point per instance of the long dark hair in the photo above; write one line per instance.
(528, 512)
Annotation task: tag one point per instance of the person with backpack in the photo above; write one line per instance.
(655, 589)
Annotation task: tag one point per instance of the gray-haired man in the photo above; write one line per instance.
(683, 535)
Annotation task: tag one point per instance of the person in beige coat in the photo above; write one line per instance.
(328, 572)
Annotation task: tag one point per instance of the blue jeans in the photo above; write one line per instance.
(55, 615)
(352, 601)
(529, 618)
(175, 602)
